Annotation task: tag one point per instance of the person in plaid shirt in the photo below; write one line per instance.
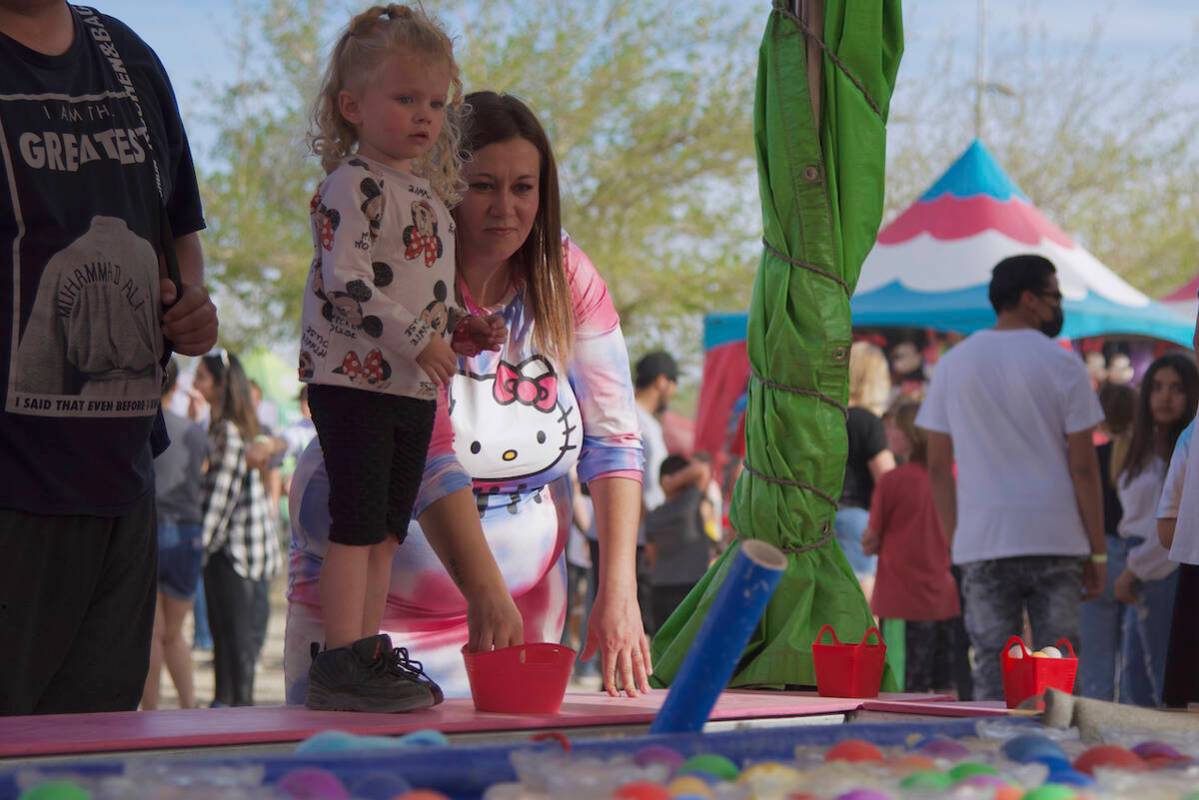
(240, 538)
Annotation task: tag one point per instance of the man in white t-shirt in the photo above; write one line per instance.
(1025, 516)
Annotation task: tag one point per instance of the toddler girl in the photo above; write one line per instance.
(377, 308)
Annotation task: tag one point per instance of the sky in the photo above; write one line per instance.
(194, 38)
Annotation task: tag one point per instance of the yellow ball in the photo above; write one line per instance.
(689, 784)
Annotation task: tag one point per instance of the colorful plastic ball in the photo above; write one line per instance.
(985, 781)
(1051, 791)
(926, 781)
(854, 750)
(659, 754)
(378, 785)
(942, 747)
(968, 769)
(689, 786)
(1110, 756)
(771, 772)
(1008, 792)
(327, 742)
(1015, 651)
(422, 794)
(864, 794)
(913, 762)
(1158, 751)
(1050, 652)
(56, 790)
(1053, 763)
(312, 783)
(1070, 777)
(642, 790)
(712, 764)
(1028, 747)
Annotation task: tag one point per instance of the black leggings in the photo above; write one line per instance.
(238, 612)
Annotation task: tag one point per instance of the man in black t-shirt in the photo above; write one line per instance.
(93, 158)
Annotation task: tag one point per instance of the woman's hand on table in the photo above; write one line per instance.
(616, 631)
(493, 621)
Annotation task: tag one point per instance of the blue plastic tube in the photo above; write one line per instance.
(751, 580)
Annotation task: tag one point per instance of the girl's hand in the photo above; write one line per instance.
(476, 334)
(617, 632)
(438, 360)
(870, 542)
(1125, 589)
(493, 621)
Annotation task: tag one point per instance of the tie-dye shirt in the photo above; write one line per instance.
(512, 425)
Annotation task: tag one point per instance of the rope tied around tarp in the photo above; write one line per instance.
(782, 387)
(779, 6)
(808, 487)
(808, 265)
(825, 538)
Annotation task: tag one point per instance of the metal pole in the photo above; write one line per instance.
(980, 69)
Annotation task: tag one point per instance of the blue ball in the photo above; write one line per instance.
(1070, 777)
(1028, 747)
(327, 742)
(379, 785)
(1055, 763)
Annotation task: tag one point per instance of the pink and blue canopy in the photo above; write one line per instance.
(931, 266)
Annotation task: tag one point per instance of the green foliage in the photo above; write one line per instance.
(648, 105)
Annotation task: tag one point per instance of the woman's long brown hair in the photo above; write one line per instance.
(237, 405)
(1144, 443)
(492, 118)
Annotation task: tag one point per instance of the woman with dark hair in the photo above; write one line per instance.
(558, 393)
(239, 531)
(1168, 397)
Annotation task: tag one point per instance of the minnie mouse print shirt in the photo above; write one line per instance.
(380, 280)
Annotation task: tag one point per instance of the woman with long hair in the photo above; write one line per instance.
(1168, 398)
(868, 458)
(558, 393)
(239, 531)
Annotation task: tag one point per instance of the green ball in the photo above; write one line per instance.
(926, 780)
(1051, 791)
(712, 764)
(56, 790)
(968, 769)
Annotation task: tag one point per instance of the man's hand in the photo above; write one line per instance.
(476, 334)
(493, 621)
(191, 323)
(1126, 588)
(438, 360)
(1094, 578)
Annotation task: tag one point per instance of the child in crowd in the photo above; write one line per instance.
(1101, 621)
(1146, 585)
(676, 535)
(375, 324)
(914, 582)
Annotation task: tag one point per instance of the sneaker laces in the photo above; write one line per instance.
(401, 664)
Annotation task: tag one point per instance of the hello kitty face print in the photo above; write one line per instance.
(511, 425)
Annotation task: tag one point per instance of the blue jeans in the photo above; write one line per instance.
(1146, 641)
(850, 525)
(1103, 632)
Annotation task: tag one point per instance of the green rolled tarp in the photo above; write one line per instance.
(820, 133)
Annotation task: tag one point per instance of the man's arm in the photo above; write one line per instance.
(1088, 493)
(940, 476)
(191, 323)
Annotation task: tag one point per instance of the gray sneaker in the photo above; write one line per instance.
(362, 677)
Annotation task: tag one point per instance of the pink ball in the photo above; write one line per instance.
(312, 783)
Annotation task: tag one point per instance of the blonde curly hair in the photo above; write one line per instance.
(368, 41)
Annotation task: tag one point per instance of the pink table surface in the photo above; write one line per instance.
(60, 734)
(938, 708)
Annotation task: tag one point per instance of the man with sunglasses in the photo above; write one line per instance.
(98, 205)
(1024, 515)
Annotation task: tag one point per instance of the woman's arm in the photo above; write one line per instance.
(616, 628)
(452, 528)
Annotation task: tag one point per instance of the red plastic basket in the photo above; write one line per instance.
(849, 670)
(524, 679)
(1029, 677)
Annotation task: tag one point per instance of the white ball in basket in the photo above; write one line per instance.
(1015, 651)
(1050, 652)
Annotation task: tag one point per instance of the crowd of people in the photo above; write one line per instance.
(477, 464)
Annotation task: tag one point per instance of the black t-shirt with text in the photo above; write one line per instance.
(867, 438)
(80, 331)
